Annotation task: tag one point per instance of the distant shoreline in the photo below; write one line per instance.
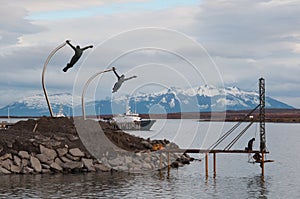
(272, 116)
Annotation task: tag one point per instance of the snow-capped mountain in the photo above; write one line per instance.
(37, 106)
(203, 98)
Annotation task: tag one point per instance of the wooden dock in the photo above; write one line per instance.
(214, 152)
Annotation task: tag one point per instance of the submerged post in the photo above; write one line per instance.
(206, 164)
(215, 165)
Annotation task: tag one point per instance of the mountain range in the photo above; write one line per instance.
(198, 99)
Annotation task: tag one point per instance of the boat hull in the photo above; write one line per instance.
(142, 125)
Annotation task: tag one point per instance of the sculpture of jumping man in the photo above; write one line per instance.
(121, 80)
(76, 56)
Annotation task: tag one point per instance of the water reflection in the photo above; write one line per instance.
(236, 178)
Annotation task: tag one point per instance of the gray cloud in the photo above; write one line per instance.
(14, 25)
(247, 40)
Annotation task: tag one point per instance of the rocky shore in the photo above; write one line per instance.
(52, 145)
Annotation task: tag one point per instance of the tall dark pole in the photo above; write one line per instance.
(262, 114)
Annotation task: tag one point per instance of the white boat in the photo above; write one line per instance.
(132, 121)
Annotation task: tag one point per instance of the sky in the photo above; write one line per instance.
(165, 43)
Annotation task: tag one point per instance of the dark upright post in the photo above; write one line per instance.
(262, 123)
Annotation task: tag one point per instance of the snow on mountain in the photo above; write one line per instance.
(37, 106)
(203, 98)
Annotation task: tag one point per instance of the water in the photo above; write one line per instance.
(236, 178)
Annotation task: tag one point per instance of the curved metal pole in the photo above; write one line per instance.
(43, 75)
(86, 86)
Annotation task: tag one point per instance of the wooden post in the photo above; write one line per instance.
(168, 163)
(215, 166)
(206, 164)
(160, 161)
(262, 164)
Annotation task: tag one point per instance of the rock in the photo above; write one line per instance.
(1, 148)
(146, 166)
(72, 165)
(9, 144)
(35, 164)
(6, 156)
(46, 171)
(88, 163)
(4, 171)
(147, 144)
(64, 159)
(27, 170)
(72, 137)
(42, 138)
(115, 162)
(128, 159)
(69, 156)
(24, 162)
(24, 154)
(76, 152)
(62, 151)
(45, 166)
(56, 166)
(15, 169)
(17, 160)
(101, 167)
(44, 159)
(58, 138)
(51, 143)
(7, 164)
(58, 161)
(50, 153)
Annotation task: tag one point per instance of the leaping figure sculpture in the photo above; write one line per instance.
(121, 80)
(76, 56)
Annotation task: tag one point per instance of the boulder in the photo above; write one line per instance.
(64, 159)
(88, 163)
(69, 156)
(24, 154)
(72, 165)
(58, 161)
(7, 164)
(44, 159)
(76, 152)
(27, 170)
(61, 151)
(45, 166)
(72, 137)
(17, 160)
(35, 164)
(147, 144)
(24, 162)
(15, 169)
(58, 138)
(101, 167)
(50, 153)
(6, 156)
(56, 167)
(4, 171)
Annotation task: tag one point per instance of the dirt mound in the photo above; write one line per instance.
(58, 132)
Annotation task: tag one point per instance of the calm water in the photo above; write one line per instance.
(236, 178)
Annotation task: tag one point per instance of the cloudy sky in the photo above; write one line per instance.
(165, 43)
